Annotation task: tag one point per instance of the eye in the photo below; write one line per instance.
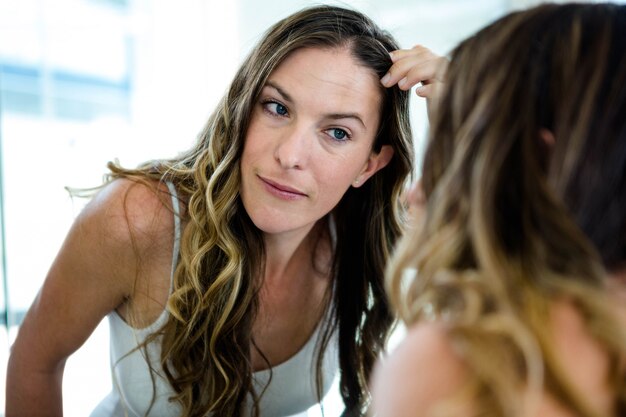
(339, 135)
(275, 108)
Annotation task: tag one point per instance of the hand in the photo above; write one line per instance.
(417, 65)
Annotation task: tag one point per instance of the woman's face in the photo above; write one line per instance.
(310, 138)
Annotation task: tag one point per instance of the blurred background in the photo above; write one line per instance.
(83, 82)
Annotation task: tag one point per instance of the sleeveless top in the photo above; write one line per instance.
(288, 388)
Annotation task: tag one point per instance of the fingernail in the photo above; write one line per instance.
(402, 82)
(385, 79)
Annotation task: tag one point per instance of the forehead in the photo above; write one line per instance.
(334, 72)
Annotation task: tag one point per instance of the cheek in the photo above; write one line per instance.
(250, 151)
(253, 140)
(336, 180)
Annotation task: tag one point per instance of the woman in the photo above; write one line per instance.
(280, 221)
(522, 228)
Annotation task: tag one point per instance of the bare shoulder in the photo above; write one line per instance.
(581, 357)
(420, 373)
(125, 225)
(98, 268)
(129, 210)
(426, 370)
(133, 224)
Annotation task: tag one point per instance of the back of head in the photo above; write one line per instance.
(555, 70)
(525, 182)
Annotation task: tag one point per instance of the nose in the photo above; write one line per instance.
(293, 148)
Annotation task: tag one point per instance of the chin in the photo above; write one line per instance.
(268, 223)
(276, 223)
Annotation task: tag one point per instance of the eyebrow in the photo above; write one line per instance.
(333, 116)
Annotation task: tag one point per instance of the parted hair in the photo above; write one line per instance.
(513, 222)
(207, 338)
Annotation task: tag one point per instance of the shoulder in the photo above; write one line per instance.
(128, 212)
(423, 370)
(138, 204)
(579, 352)
(126, 227)
(108, 249)
(581, 357)
(426, 369)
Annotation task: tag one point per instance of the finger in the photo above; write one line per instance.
(413, 67)
(424, 72)
(403, 60)
(417, 50)
(410, 71)
(425, 90)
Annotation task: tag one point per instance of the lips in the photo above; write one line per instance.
(282, 190)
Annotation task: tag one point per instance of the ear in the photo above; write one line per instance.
(375, 162)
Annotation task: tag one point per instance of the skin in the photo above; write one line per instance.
(431, 371)
(310, 139)
(102, 268)
(92, 275)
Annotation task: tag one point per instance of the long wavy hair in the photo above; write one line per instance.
(512, 223)
(206, 340)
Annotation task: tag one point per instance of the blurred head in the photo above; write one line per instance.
(524, 180)
(525, 191)
(533, 118)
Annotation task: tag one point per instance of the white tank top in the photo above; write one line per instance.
(292, 388)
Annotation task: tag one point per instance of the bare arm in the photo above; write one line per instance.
(92, 275)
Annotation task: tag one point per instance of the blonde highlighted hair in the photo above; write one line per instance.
(513, 223)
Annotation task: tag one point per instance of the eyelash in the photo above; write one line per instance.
(267, 103)
(347, 135)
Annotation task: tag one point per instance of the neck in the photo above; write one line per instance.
(288, 251)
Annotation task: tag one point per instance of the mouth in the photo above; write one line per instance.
(282, 190)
